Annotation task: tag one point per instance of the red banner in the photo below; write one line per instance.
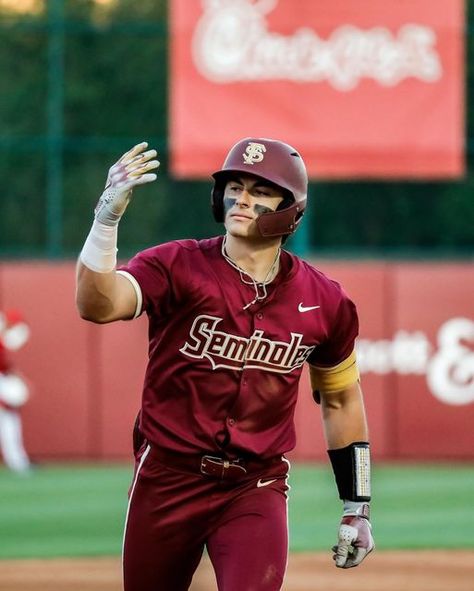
(362, 88)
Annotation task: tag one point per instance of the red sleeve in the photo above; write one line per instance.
(158, 271)
(341, 338)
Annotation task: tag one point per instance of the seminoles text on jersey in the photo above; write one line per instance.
(237, 352)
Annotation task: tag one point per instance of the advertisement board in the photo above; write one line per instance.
(415, 354)
(362, 88)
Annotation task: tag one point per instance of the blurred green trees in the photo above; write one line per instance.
(107, 66)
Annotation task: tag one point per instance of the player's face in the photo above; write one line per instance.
(245, 198)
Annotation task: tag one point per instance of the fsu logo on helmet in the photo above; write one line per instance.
(254, 153)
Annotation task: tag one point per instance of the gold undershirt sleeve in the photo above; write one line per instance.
(338, 377)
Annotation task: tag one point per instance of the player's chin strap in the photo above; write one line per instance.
(259, 287)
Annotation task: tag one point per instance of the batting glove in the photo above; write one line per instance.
(131, 170)
(355, 539)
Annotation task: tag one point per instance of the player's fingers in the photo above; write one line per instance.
(120, 174)
(146, 178)
(140, 168)
(139, 160)
(346, 537)
(143, 157)
(128, 156)
(356, 558)
(342, 552)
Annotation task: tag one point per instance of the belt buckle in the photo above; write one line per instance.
(211, 466)
(221, 468)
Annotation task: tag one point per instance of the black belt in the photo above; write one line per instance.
(211, 465)
(221, 468)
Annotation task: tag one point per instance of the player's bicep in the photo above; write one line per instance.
(335, 378)
(104, 297)
(128, 296)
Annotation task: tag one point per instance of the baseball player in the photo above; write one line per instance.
(14, 393)
(232, 322)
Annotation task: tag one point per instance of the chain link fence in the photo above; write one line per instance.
(82, 81)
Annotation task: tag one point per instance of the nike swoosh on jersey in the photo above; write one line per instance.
(302, 308)
(261, 483)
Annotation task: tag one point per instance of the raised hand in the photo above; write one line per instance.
(131, 170)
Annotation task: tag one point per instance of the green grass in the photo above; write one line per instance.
(78, 510)
(414, 506)
(63, 510)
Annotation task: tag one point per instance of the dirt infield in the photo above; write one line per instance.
(390, 571)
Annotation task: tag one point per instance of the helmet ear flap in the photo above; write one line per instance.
(288, 199)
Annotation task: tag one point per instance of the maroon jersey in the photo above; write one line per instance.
(221, 377)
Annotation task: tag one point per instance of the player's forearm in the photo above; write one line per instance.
(344, 417)
(349, 451)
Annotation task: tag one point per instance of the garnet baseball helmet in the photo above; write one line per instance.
(273, 161)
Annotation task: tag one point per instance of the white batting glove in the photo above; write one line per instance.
(131, 170)
(355, 539)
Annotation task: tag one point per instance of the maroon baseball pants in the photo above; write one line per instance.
(174, 514)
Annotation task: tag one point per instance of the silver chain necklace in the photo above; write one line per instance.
(260, 287)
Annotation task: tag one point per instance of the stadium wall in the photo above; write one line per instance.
(416, 354)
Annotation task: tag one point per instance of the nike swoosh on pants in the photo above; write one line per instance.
(261, 483)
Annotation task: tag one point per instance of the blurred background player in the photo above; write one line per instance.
(232, 320)
(14, 393)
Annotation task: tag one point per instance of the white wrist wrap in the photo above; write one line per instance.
(99, 252)
(357, 508)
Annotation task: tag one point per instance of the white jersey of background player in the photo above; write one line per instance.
(14, 393)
